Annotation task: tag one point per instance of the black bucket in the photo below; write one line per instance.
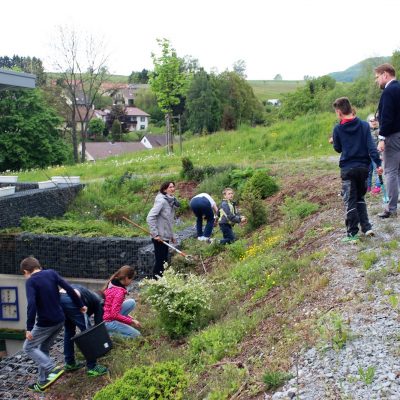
(94, 343)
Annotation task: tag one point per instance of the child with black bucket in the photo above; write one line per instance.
(116, 307)
(42, 292)
(74, 318)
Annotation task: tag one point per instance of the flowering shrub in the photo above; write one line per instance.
(180, 301)
(259, 248)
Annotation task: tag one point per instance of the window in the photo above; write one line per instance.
(142, 127)
(9, 304)
(142, 119)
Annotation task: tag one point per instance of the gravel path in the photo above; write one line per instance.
(368, 366)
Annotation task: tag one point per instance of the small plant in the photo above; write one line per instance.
(254, 209)
(368, 259)
(237, 249)
(261, 184)
(180, 301)
(394, 301)
(275, 379)
(368, 375)
(295, 208)
(333, 330)
(161, 381)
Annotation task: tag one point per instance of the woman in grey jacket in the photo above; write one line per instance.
(161, 221)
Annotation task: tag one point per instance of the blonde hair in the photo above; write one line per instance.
(227, 189)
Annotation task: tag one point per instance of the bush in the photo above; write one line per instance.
(275, 379)
(254, 210)
(161, 381)
(181, 303)
(260, 183)
(215, 183)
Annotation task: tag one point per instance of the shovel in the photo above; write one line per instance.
(188, 257)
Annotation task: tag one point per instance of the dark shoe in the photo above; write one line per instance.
(36, 387)
(98, 370)
(387, 214)
(73, 367)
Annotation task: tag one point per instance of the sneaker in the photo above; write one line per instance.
(376, 190)
(370, 233)
(73, 367)
(36, 387)
(201, 238)
(351, 238)
(210, 240)
(98, 370)
(52, 377)
(388, 214)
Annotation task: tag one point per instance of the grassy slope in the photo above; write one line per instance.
(273, 89)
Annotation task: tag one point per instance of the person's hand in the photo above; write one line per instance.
(379, 170)
(83, 310)
(243, 220)
(173, 240)
(381, 145)
(135, 323)
(330, 140)
(158, 238)
(28, 335)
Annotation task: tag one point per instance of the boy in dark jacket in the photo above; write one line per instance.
(228, 216)
(352, 138)
(74, 318)
(45, 318)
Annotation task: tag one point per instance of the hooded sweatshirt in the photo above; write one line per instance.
(354, 141)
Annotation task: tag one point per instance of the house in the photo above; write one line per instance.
(100, 150)
(16, 80)
(135, 119)
(126, 94)
(152, 141)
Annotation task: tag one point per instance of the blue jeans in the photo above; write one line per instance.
(373, 175)
(119, 328)
(201, 207)
(227, 232)
(39, 348)
(73, 318)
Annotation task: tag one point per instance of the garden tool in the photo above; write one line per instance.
(188, 257)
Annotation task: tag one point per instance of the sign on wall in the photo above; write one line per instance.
(9, 310)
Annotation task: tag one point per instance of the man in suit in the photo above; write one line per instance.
(389, 135)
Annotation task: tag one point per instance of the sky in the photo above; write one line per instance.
(292, 38)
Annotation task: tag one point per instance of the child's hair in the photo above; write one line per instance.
(343, 105)
(165, 185)
(227, 189)
(124, 272)
(29, 264)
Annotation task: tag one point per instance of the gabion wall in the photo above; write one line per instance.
(47, 203)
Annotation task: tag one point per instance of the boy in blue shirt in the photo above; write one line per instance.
(45, 318)
(352, 138)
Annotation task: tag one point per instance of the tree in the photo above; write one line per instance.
(83, 70)
(278, 77)
(96, 127)
(239, 67)
(203, 106)
(29, 136)
(139, 77)
(146, 100)
(116, 131)
(168, 83)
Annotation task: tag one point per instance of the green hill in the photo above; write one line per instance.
(352, 73)
(267, 89)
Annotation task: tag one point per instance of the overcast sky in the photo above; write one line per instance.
(293, 38)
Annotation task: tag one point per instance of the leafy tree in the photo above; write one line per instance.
(278, 77)
(239, 67)
(168, 83)
(96, 127)
(203, 106)
(139, 76)
(29, 136)
(146, 100)
(116, 131)
(395, 61)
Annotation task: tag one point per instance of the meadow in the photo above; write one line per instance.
(270, 89)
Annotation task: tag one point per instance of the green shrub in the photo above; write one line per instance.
(254, 210)
(260, 183)
(297, 208)
(237, 249)
(181, 302)
(161, 381)
(214, 184)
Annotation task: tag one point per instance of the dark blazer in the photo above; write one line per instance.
(389, 110)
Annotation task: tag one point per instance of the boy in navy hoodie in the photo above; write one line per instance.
(45, 318)
(352, 138)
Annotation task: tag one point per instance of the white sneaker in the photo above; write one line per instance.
(370, 233)
(202, 238)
